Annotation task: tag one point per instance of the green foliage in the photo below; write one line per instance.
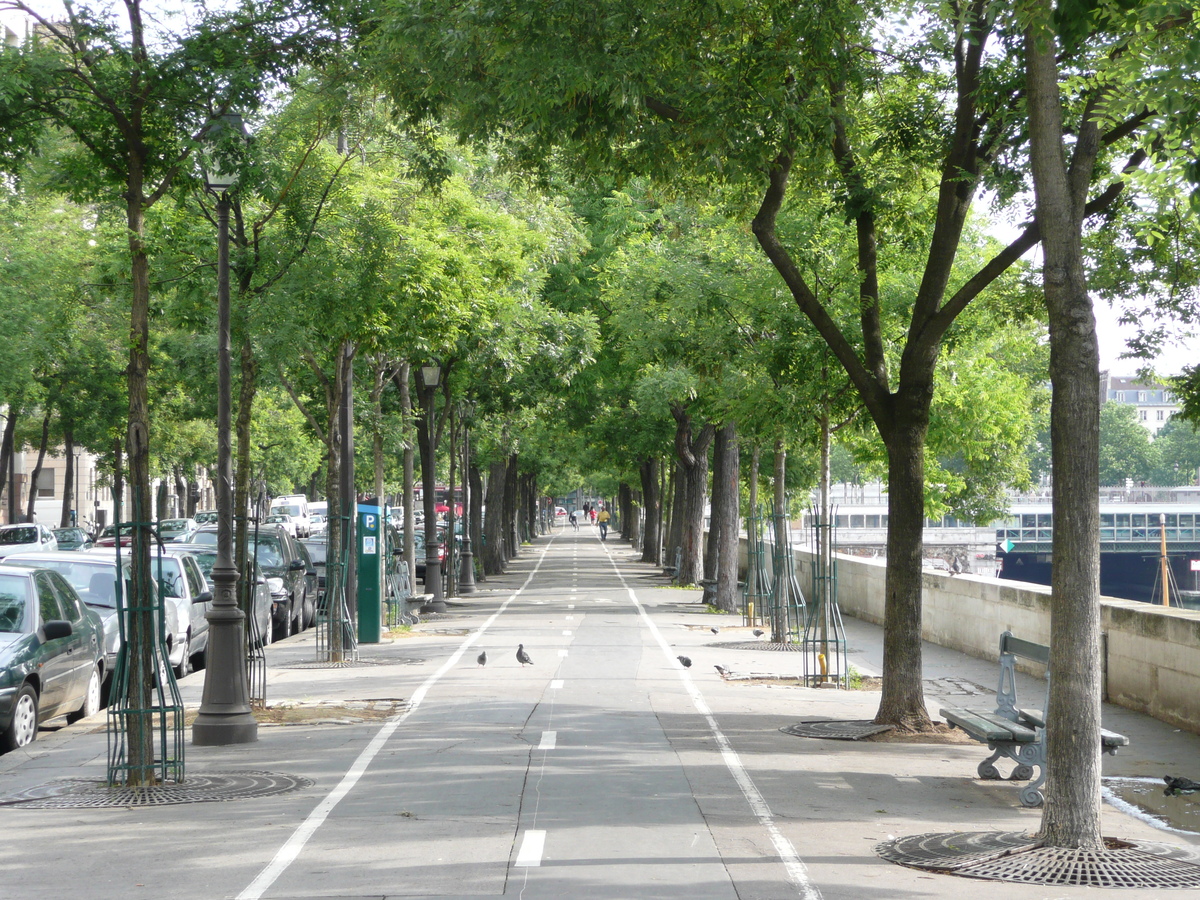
(1125, 449)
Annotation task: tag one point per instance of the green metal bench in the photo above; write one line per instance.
(1012, 732)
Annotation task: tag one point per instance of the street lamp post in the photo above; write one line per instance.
(466, 573)
(431, 377)
(225, 716)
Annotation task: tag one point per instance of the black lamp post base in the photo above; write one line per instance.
(217, 730)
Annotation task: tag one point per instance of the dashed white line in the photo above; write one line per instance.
(566, 633)
(562, 652)
(532, 845)
(549, 740)
(556, 684)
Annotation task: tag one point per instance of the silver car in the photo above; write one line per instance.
(26, 539)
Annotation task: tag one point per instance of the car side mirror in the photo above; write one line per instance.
(57, 628)
(297, 565)
(203, 597)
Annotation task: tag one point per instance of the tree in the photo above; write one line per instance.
(1176, 456)
(1126, 453)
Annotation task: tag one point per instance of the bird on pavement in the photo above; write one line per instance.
(721, 670)
(758, 632)
(482, 658)
(715, 630)
(685, 661)
(522, 656)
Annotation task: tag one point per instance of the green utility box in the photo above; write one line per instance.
(369, 552)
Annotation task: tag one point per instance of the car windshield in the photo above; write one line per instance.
(172, 526)
(205, 560)
(268, 552)
(273, 519)
(14, 598)
(205, 518)
(317, 550)
(69, 534)
(94, 580)
(21, 535)
(287, 510)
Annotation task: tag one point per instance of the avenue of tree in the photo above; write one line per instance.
(671, 253)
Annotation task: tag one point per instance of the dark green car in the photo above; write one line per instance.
(51, 653)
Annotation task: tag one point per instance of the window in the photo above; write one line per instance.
(1141, 396)
(45, 483)
(47, 599)
(1161, 414)
(1120, 396)
(1142, 415)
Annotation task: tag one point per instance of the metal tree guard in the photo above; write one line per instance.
(256, 654)
(162, 722)
(788, 609)
(824, 640)
(336, 641)
(757, 598)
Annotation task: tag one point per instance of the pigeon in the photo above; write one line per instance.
(758, 632)
(715, 630)
(685, 661)
(721, 670)
(1180, 786)
(482, 658)
(522, 656)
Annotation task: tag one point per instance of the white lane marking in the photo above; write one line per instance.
(562, 652)
(295, 844)
(532, 845)
(566, 633)
(570, 606)
(556, 684)
(549, 740)
(797, 872)
(569, 618)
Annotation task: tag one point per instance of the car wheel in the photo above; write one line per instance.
(185, 662)
(285, 628)
(22, 730)
(91, 700)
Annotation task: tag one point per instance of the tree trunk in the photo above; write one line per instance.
(677, 492)
(37, 468)
(141, 633)
(7, 451)
(692, 451)
(652, 500)
(403, 381)
(1071, 815)
(727, 513)
(512, 539)
(779, 511)
(902, 702)
(493, 548)
(247, 389)
(713, 540)
(69, 498)
(476, 517)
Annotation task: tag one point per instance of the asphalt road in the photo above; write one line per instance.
(603, 770)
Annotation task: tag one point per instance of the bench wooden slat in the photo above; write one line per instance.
(1112, 739)
(1027, 649)
(983, 726)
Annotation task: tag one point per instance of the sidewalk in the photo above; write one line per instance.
(834, 800)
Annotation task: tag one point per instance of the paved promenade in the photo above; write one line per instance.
(603, 770)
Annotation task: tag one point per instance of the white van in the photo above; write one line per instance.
(296, 506)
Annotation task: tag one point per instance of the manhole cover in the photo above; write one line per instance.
(758, 645)
(81, 793)
(1011, 856)
(849, 730)
(361, 663)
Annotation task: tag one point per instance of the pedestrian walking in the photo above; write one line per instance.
(602, 518)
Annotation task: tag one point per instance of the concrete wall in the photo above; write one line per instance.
(1152, 654)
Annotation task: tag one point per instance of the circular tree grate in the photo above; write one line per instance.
(852, 730)
(362, 663)
(81, 793)
(1011, 856)
(758, 645)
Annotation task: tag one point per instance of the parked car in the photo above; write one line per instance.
(181, 582)
(108, 536)
(318, 524)
(205, 517)
(51, 653)
(318, 549)
(175, 529)
(284, 521)
(26, 538)
(93, 576)
(72, 539)
(281, 563)
(260, 623)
